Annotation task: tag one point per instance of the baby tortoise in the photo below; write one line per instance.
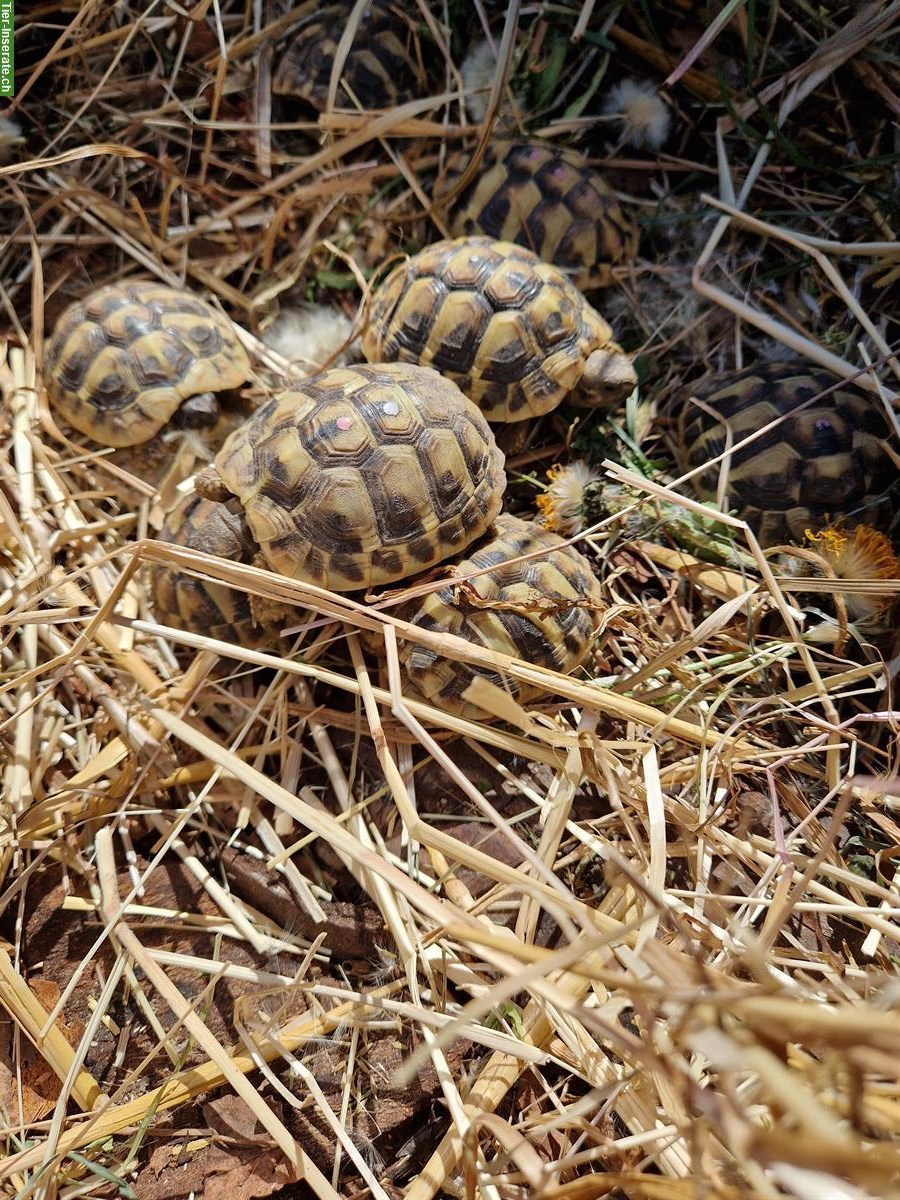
(385, 64)
(825, 455)
(202, 605)
(514, 334)
(547, 200)
(127, 358)
(544, 610)
(362, 475)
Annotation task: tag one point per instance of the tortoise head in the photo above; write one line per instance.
(197, 412)
(609, 377)
(209, 484)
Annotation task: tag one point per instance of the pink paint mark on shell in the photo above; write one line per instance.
(344, 422)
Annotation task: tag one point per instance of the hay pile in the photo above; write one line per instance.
(267, 920)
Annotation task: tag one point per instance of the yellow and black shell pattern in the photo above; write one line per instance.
(384, 64)
(203, 605)
(546, 199)
(122, 361)
(363, 475)
(510, 329)
(820, 449)
(545, 610)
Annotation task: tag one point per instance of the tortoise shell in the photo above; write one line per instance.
(546, 199)
(825, 455)
(363, 475)
(543, 610)
(508, 328)
(123, 360)
(383, 67)
(203, 605)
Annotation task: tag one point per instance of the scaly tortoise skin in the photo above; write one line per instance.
(200, 605)
(514, 334)
(382, 68)
(828, 460)
(362, 475)
(122, 361)
(547, 200)
(544, 610)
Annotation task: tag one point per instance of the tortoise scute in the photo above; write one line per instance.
(363, 475)
(121, 362)
(545, 611)
(827, 460)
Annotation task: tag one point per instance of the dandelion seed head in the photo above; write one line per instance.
(10, 137)
(478, 70)
(562, 504)
(862, 553)
(641, 112)
(310, 335)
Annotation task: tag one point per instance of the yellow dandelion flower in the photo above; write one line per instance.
(562, 505)
(863, 555)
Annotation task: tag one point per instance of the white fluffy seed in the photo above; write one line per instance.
(478, 70)
(310, 334)
(10, 136)
(641, 112)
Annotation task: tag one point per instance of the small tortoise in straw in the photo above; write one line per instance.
(827, 453)
(547, 200)
(384, 65)
(202, 605)
(127, 358)
(544, 610)
(514, 334)
(362, 475)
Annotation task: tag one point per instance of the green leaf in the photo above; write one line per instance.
(548, 80)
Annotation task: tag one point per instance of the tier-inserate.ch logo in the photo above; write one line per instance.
(7, 84)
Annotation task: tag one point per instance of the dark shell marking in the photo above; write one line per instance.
(828, 460)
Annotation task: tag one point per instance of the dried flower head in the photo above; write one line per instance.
(310, 335)
(863, 554)
(562, 504)
(641, 112)
(478, 70)
(10, 137)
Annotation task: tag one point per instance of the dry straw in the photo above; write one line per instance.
(708, 823)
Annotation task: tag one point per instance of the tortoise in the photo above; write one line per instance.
(362, 475)
(384, 64)
(546, 199)
(510, 329)
(128, 357)
(826, 454)
(544, 610)
(203, 605)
